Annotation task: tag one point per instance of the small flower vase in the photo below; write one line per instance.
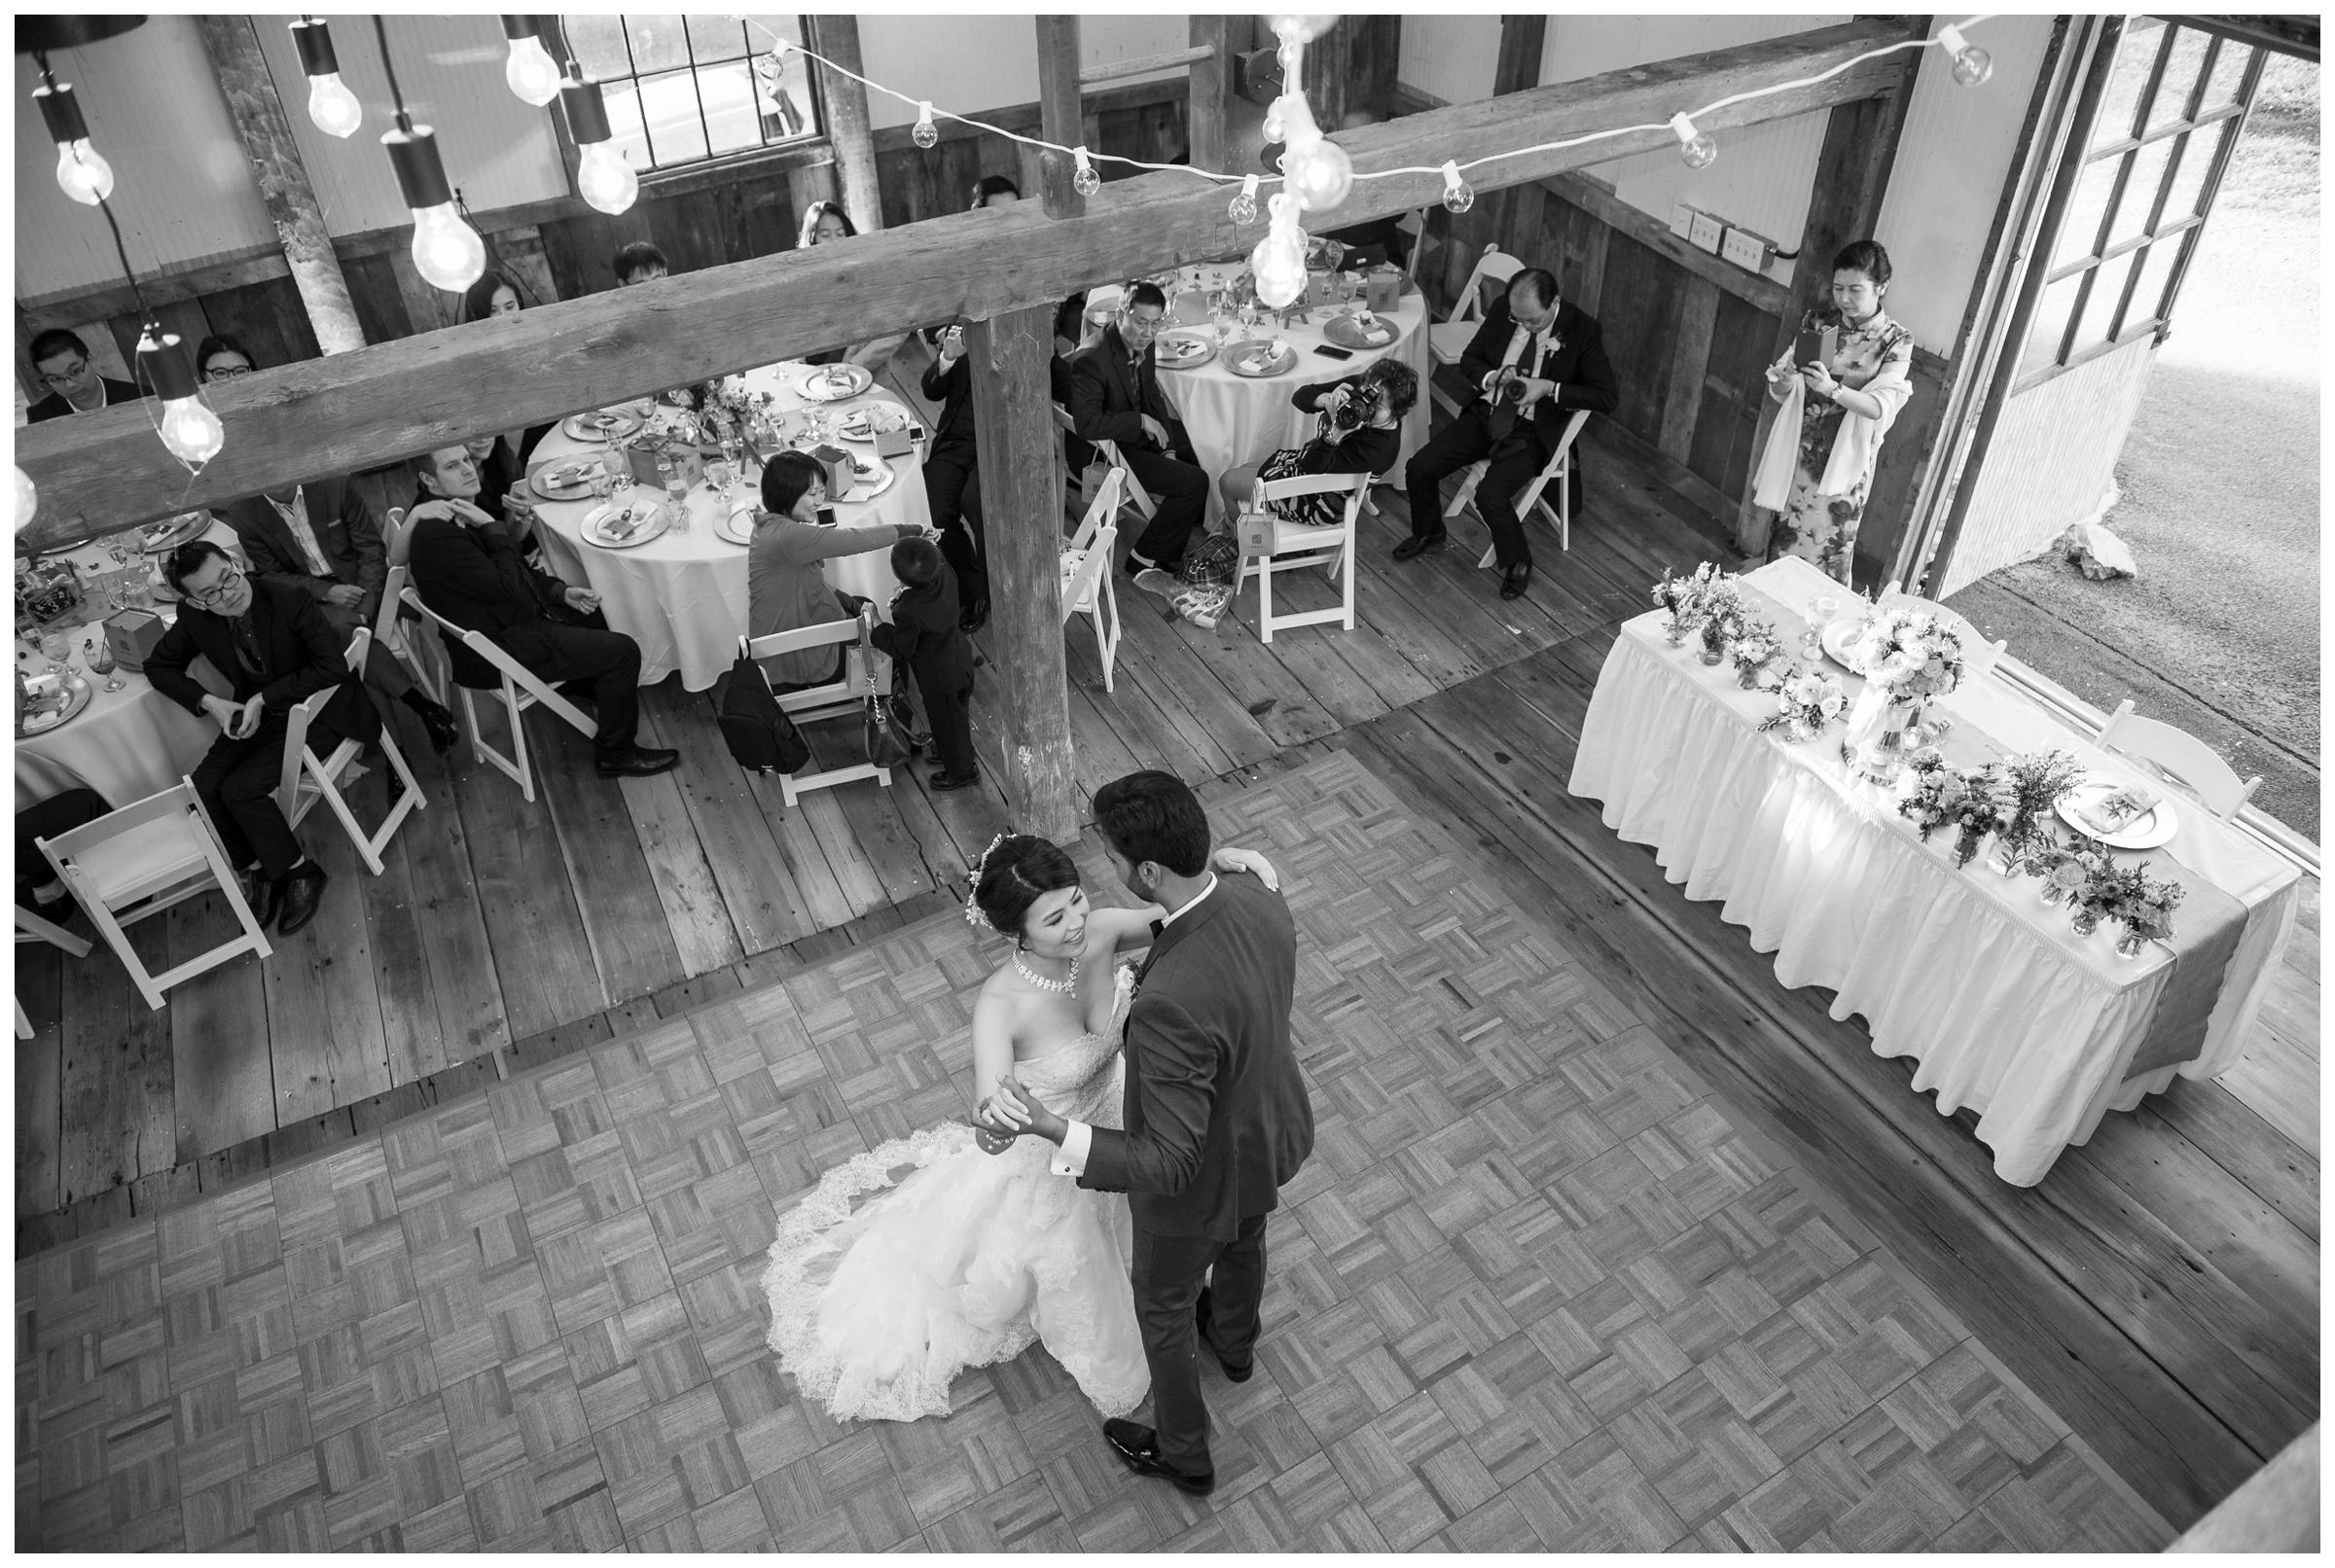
(2084, 921)
(2128, 943)
(1875, 745)
(1675, 629)
(1708, 655)
(1747, 676)
(1966, 845)
(2005, 861)
(1915, 731)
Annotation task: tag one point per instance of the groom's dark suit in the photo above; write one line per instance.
(1217, 1123)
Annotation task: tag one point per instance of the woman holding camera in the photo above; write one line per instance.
(1362, 433)
(1819, 465)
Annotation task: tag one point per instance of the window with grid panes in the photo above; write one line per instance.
(683, 90)
(2176, 99)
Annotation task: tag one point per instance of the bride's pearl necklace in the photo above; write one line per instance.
(1064, 986)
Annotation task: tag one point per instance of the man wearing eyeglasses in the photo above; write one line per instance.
(74, 385)
(275, 648)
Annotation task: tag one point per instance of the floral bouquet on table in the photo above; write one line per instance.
(2039, 781)
(1806, 701)
(2146, 909)
(1907, 653)
(1930, 794)
(1989, 800)
(729, 394)
(2065, 868)
(1753, 648)
(1686, 598)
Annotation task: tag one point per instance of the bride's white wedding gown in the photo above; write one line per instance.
(925, 1255)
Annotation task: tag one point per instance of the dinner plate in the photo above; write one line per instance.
(821, 383)
(871, 476)
(2147, 831)
(601, 424)
(1347, 331)
(654, 516)
(870, 420)
(1240, 359)
(737, 527)
(567, 479)
(1839, 637)
(1182, 350)
(76, 699)
(162, 536)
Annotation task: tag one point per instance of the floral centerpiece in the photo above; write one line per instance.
(2039, 780)
(1686, 598)
(1754, 647)
(2146, 911)
(1907, 658)
(2065, 868)
(1930, 794)
(1990, 800)
(1806, 701)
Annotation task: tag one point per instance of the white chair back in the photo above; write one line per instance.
(1493, 265)
(1089, 588)
(306, 778)
(2181, 755)
(1979, 656)
(1135, 494)
(517, 688)
(1556, 470)
(1101, 510)
(1299, 545)
(427, 662)
(847, 693)
(1414, 224)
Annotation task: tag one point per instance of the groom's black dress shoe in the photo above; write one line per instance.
(1140, 1447)
(1518, 579)
(1237, 1373)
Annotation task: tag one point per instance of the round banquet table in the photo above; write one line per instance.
(127, 744)
(682, 596)
(1238, 419)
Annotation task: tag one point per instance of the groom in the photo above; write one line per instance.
(1218, 1118)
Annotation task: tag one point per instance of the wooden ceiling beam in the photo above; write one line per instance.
(103, 471)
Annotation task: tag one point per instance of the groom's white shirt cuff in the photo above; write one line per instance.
(1070, 1160)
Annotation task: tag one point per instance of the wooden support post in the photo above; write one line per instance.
(836, 35)
(252, 100)
(1208, 117)
(1852, 175)
(1522, 42)
(1352, 67)
(1018, 443)
(1061, 113)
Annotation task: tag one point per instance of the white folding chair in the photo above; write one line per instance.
(1558, 471)
(139, 861)
(831, 701)
(30, 927)
(306, 779)
(519, 688)
(1297, 545)
(1979, 656)
(1414, 224)
(425, 656)
(2180, 755)
(1135, 494)
(1448, 339)
(1089, 587)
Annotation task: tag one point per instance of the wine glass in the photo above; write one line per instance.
(100, 655)
(1824, 607)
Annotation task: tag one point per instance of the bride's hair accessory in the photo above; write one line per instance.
(972, 916)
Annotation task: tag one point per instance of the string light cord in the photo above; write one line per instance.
(381, 35)
(783, 44)
(151, 325)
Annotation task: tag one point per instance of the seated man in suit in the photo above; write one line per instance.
(1534, 361)
(323, 540)
(1115, 396)
(62, 361)
(275, 648)
(468, 571)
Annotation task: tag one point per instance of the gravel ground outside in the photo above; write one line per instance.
(2220, 480)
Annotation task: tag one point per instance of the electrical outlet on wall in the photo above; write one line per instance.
(1707, 233)
(1747, 250)
(1682, 221)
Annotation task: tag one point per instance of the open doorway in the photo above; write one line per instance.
(2216, 485)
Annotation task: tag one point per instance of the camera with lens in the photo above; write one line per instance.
(1510, 386)
(1359, 407)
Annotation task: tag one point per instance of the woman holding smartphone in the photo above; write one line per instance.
(1837, 406)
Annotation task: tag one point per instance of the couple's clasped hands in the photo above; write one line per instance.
(1009, 1113)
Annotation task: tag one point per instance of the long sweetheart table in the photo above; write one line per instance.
(1969, 972)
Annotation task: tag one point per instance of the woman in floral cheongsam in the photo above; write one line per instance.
(1842, 406)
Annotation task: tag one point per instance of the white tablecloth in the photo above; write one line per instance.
(127, 744)
(682, 596)
(1238, 419)
(2004, 1008)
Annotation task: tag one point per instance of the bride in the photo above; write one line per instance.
(956, 1247)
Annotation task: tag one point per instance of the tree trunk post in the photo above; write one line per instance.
(257, 110)
(1061, 113)
(1018, 448)
(836, 35)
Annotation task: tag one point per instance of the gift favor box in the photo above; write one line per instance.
(837, 464)
(1385, 286)
(896, 442)
(131, 634)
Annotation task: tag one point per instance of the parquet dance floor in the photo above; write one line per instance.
(1535, 1289)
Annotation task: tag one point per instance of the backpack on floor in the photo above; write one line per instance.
(761, 736)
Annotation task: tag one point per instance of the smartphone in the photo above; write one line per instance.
(826, 516)
(1327, 351)
(1814, 347)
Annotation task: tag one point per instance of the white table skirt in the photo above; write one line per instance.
(2003, 1007)
(682, 596)
(1238, 419)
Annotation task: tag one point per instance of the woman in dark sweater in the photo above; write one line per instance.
(1362, 433)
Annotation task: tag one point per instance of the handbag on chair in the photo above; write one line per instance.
(887, 744)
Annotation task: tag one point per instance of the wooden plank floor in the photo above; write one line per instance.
(1537, 1290)
(2165, 1279)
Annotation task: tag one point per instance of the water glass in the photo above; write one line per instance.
(1822, 610)
(55, 648)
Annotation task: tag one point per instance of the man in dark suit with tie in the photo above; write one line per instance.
(1534, 361)
(275, 648)
(1115, 396)
(322, 539)
(61, 360)
(1217, 1120)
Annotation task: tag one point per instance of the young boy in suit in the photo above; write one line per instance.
(924, 635)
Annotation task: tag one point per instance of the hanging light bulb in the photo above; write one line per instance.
(1695, 150)
(1303, 29)
(1319, 174)
(1244, 206)
(81, 173)
(1278, 260)
(332, 108)
(926, 133)
(603, 179)
(1973, 66)
(189, 428)
(1275, 127)
(446, 251)
(1084, 180)
(28, 500)
(1456, 197)
(530, 70)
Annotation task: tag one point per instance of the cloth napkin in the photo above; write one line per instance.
(2109, 813)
